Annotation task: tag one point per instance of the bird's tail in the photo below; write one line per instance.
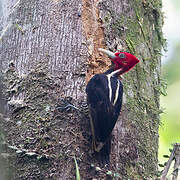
(104, 153)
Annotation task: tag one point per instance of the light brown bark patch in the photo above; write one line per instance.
(94, 32)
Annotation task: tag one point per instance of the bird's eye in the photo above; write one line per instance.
(121, 55)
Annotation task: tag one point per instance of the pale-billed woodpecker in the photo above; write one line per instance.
(104, 99)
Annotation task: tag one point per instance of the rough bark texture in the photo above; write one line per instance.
(48, 52)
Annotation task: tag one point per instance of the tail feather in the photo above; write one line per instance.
(104, 153)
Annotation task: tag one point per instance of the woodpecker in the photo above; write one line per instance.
(104, 98)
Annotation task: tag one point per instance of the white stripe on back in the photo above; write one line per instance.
(110, 88)
(117, 93)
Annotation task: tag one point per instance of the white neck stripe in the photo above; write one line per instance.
(110, 88)
(117, 93)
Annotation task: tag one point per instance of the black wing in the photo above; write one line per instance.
(103, 112)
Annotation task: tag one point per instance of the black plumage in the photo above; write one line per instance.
(104, 98)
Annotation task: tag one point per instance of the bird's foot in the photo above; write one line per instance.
(98, 147)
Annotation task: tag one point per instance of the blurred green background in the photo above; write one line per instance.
(170, 119)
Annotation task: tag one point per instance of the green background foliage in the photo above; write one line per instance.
(170, 119)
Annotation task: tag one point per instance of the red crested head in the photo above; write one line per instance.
(123, 61)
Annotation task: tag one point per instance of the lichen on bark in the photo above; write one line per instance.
(136, 27)
(42, 135)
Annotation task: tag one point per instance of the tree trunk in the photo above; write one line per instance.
(49, 50)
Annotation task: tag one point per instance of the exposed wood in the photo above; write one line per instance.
(94, 32)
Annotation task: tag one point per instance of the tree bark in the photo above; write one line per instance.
(48, 53)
